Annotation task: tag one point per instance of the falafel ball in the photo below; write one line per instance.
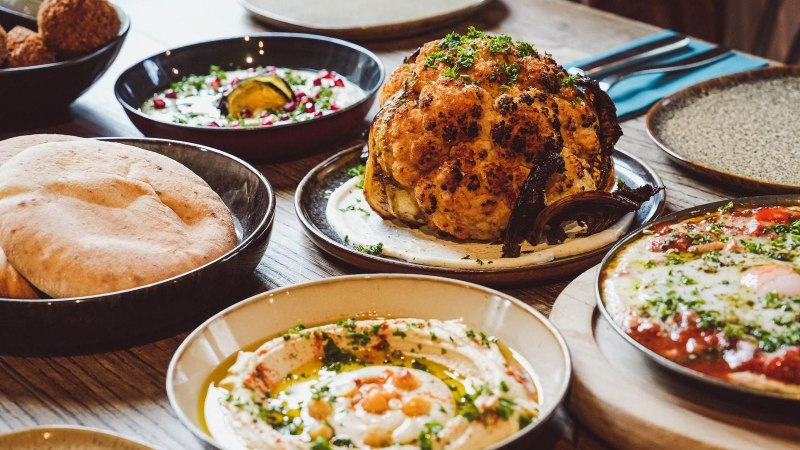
(3, 46)
(77, 27)
(17, 36)
(31, 51)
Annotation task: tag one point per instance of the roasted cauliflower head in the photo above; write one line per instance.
(463, 122)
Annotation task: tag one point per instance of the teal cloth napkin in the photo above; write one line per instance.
(633, 96)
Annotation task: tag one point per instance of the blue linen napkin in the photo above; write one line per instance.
(634, 95)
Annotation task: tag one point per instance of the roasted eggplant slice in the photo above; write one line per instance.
(256, 94)
(530, 203)
(595, 210)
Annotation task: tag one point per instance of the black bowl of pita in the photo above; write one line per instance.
(115, 241)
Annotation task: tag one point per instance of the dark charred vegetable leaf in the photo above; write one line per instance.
(530, 203)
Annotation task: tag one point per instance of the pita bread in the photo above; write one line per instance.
(15, 145)
(12, 285)
(87, 217)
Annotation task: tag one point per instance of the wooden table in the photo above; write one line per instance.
(124, 390)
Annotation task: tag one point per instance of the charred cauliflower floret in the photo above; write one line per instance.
(464, 122)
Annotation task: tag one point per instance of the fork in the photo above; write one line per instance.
(693, 62)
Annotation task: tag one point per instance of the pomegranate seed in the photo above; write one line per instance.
(171, 94)
(159, 103)
(300, 95)
(213, 124)
(235, 125)
(327, 74)
(235, 81)
(291, 106)
(246, 113)
(284, 117)
(267, 123)
(215, 83)
(270, 69)
(264, 114)
(334, 107)
(318, 114)
(252, 70)
(339, 82)
(309, 107)
(318, 82)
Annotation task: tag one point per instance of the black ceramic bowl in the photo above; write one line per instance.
(296, 51)
(32, 95)
(147, 312)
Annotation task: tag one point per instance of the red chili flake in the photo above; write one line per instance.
(159, 103)
(171, 94)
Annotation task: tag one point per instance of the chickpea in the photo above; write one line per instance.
(405, 380)
(319, 409)
(376, 403)
(322, 430)
(378, 437)
(416, 406)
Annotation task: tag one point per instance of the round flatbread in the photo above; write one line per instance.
(15, 145)
(88, 217)
(12, 285)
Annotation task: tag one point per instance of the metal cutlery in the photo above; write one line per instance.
(633, 57)
(684, 64)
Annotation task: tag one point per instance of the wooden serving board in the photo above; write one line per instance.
(633, 403)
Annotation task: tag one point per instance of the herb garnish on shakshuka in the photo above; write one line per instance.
(718, 293)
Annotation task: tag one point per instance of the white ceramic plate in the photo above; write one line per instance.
(361, 18)
(264, 316)
(66, 437)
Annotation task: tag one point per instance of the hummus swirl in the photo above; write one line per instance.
(399, 383)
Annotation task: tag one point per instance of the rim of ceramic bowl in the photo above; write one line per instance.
(368, 94)
(124, 27)
(562, 344)
(653, 119)
(763, 200)
(262, 226)
(80, 428)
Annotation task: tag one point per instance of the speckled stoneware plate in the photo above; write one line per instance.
(683, 371)
(361, 19)
(740, 130)
(311, 199)
(265, 316)
(166, 307)
(66, 437)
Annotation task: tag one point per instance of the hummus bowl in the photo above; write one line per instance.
(366, 361)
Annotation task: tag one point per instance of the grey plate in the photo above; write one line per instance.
(767, 200)
(660, 113)
(311, 201)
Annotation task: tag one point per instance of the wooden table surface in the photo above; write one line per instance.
(124, 390)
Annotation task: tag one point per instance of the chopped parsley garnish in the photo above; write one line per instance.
(294, 330)
(293, 78)
(321, 444)
(570, 81)
(376, 249)
(427, 435)
(333, 356)
(505, 408)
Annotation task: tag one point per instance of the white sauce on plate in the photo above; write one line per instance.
(351, 216)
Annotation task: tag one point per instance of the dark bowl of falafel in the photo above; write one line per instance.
(48, 62)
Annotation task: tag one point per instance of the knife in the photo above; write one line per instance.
(633, 57)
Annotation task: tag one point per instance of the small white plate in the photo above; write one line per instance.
(68, 437)
(264, 316)
(361, 18)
